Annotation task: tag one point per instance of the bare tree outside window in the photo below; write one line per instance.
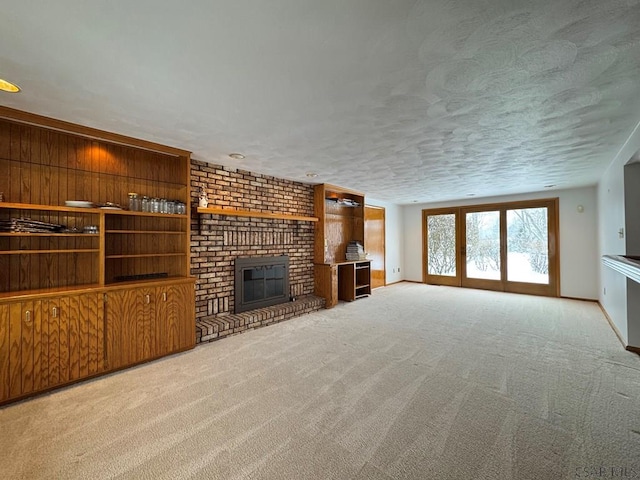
(527, 245)
(441, 245)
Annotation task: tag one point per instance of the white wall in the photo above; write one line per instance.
(611, 218)
(393, 240)
(578, 237)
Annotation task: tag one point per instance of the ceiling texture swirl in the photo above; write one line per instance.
(403, 100)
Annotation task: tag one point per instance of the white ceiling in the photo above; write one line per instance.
(404, 100)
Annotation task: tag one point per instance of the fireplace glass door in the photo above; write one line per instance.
(261, 282)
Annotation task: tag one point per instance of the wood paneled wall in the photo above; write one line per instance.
(42, 166)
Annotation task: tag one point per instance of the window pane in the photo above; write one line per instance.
(483, 245)
(528, 245)
(441, 245)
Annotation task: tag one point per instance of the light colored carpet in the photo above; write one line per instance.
(415, 382)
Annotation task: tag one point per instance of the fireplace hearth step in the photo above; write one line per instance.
(209, 329)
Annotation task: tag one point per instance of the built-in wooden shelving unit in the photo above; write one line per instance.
(74, 305)
(341, 220)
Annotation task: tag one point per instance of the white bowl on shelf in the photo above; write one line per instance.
(78, 204)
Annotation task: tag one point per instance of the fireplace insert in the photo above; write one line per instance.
(261, 282)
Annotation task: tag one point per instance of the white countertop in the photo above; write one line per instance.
(629, 267)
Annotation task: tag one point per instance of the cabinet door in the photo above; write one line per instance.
(130, 326)
(74, 328)
(146, 325)
(21, 349)
(121, 327)
(175, 318)
(4, 352)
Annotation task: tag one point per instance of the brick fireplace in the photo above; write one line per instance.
(218, 240)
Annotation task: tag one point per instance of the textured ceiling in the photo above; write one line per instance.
(403, 100)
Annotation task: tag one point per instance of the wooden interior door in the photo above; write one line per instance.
(374, 232)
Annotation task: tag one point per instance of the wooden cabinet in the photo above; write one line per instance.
(51, 341)
(326, 283)
(149, 321)
(55, 327)
(341, 220)
(354, 280)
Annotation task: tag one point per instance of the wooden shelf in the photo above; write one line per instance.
(72, 289)
(48, 208)
(106, 211)
(248, 213)
(146, 255)
(146, 232)
(31, 252)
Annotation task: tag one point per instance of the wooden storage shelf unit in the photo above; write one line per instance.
(354, 280)
(30, 261)
(341, 220)
(55, 317)
(145, 244)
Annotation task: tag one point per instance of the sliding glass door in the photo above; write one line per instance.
(508, 247)
(441, 248)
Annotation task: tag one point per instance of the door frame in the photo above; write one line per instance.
(552, 289)
(384, 241)
(452, 281)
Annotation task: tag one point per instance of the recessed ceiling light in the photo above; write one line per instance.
(549, 186)
(236, 156)
(312, 175)
(8, 86)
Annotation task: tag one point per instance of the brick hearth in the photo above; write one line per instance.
(209, 329)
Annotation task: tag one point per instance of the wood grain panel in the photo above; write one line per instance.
(93, 339)
(123, 308)
(84, 320)
(15, 349)
(54, 341)
(166, 332)
(100, 332)
(185, 304)
(39, 349)
(27, 368)
(143, 325)
(326, 283)
(63, 340)
(4, 352)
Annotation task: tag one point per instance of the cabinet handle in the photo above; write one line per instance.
(54, 312)
(147, 299)
(27, 317)
(164, 296)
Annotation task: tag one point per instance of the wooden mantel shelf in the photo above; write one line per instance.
(248, 213)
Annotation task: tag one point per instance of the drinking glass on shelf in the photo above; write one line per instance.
(145, 204)
(134, 202)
